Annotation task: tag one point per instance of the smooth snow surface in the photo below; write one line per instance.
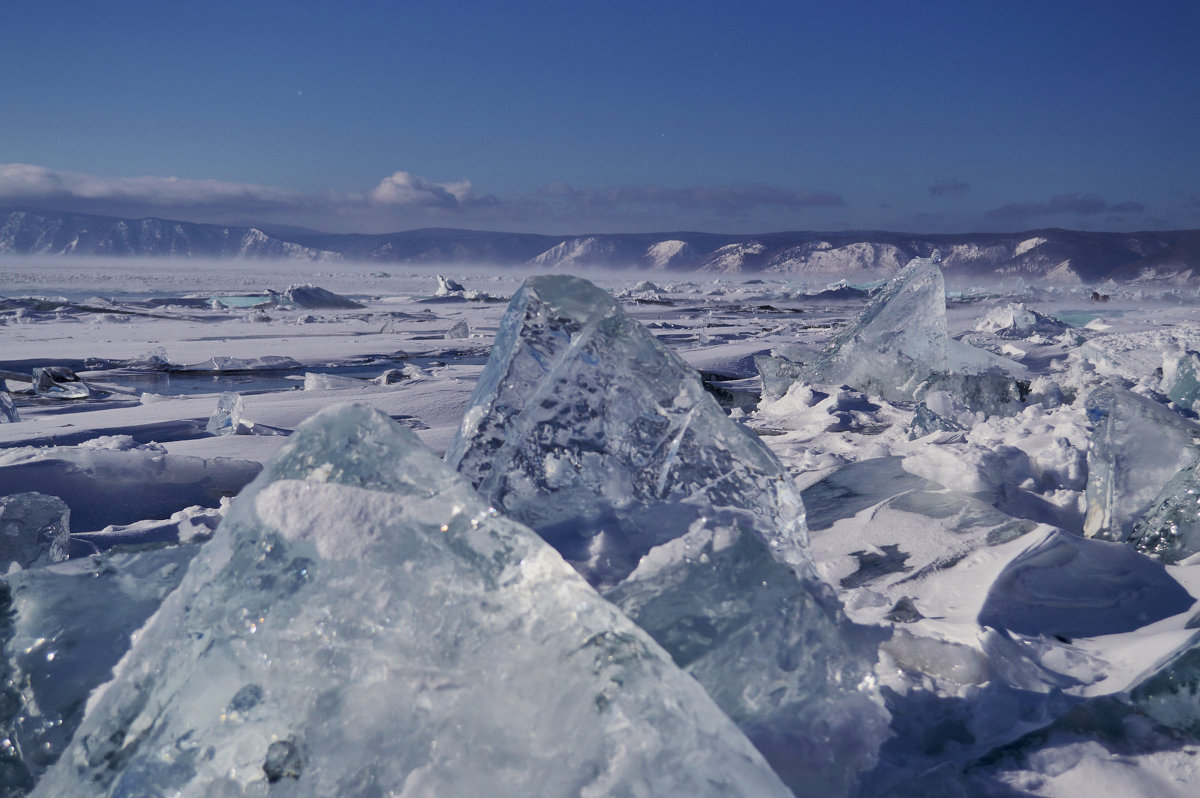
(946, 583)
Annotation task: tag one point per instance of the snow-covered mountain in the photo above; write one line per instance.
(1057, 255)
(28, 232)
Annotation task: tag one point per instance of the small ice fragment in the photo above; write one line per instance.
(59, 382)
(34, 530)
(228, 415)
(448, 287)
(8, 410)
(460, 330)
(926, 422)
(326, 382)
(777, 374)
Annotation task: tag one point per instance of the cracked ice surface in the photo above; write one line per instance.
(586, 428)
(362, 623)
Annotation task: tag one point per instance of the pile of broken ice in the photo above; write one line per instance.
(606, 589)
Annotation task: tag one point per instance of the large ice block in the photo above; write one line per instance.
(34, 530)
(1170, 529)
(586, 428)
(1137, 446)
(63, 630)
(363, 624)
(900, 339)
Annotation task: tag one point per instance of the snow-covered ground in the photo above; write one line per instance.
(1013, 654)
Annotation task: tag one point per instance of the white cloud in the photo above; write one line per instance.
(403, 188)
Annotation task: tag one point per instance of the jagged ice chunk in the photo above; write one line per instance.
(35, 530)
(1137, 446)
(586, 428)
(900, 339)
(63, 629)
(1170, 529)
(362, 623)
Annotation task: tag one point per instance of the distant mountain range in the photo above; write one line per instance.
(1052, 254)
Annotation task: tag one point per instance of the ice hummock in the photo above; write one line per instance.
(313, 297)
(63, 630)
(362, 623)
(1015, 320)
(901, 339)
(35, 530)
(586, 428)
(1137, 446)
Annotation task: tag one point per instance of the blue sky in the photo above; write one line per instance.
(612, 116)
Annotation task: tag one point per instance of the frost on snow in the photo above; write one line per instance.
(363, 624)
(1136, 447)
(587, 429)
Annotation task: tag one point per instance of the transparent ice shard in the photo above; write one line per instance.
(362, 623)
(926, 422)
(1181, 377)
(1137, 446)
(63, 629)
(226, 419)
(460, 329)
(35, 530)
(900, 339)
(1170, 694)
(1170, 529)
(59, 383)
(777, 374)
(8, 410)
(991, 394)
(586, 428)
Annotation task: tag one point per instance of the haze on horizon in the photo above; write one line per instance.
(733, 117)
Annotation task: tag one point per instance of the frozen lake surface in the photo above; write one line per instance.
(989, 588)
